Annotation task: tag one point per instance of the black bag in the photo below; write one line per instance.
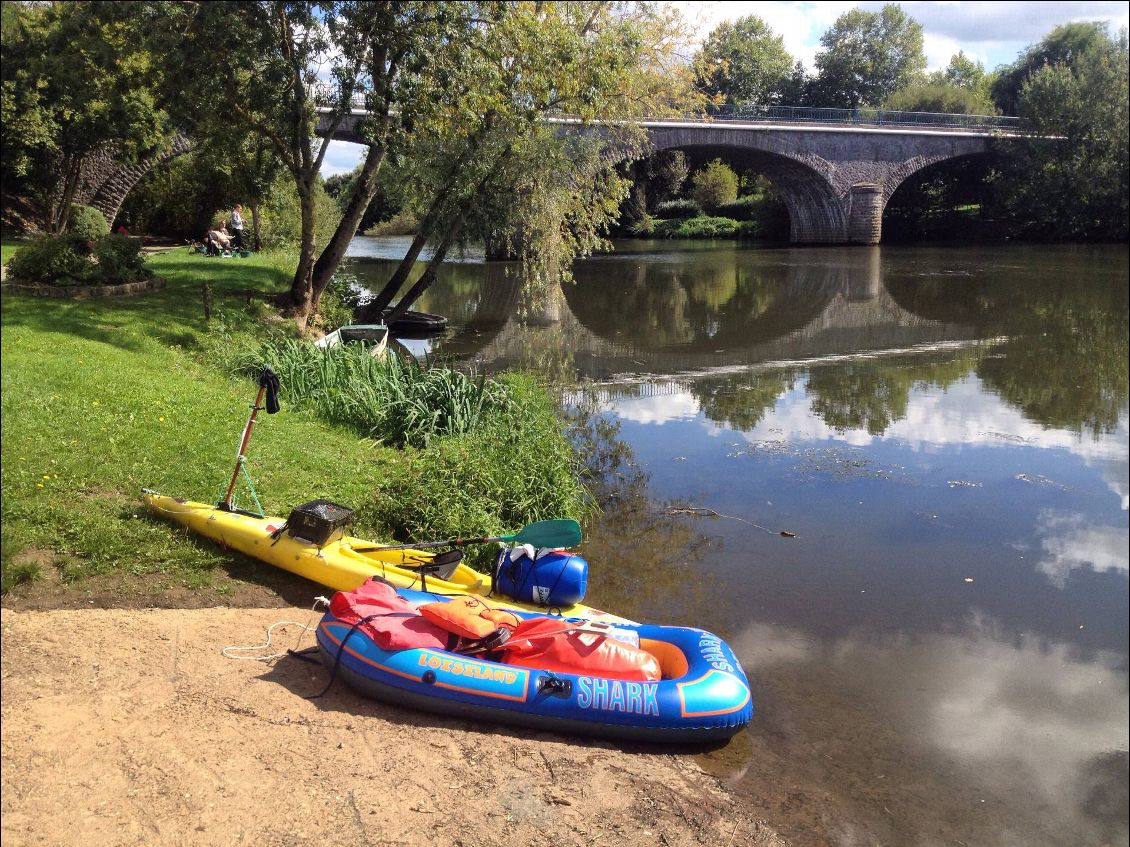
(317, 520)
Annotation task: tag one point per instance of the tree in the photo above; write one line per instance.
(1063, 45)
(1071, 179)
(940, 97)
(654, 179)
(497, 172)
(744, 62)
(966, 73)
(290, 72)
(77, 78)
(867, 57)
(714, 185)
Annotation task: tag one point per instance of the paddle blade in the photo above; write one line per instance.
(559, 532)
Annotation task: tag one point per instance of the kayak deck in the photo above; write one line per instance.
(342, 563)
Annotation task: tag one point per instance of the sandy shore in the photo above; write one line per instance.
(124, 726)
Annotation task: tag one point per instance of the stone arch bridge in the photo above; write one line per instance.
(835, 180)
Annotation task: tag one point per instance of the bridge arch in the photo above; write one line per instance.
(106, 182)
(816, 214)
(835, 181)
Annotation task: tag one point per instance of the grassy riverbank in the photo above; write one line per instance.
(103, 397)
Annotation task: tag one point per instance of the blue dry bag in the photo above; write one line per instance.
(555, 579)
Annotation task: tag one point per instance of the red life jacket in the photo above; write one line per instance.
(396, 625)
(552, 644)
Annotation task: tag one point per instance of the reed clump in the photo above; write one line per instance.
(391, 399)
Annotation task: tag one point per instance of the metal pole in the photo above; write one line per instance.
(239, 458)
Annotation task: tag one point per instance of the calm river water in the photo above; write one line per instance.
(939, 655)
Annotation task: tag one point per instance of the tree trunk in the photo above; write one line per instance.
(364, 190)
(256, 226)
(301, 299)
(430, 272)
(372, 311)
(70, 185)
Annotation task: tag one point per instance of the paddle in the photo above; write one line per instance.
(558, 532)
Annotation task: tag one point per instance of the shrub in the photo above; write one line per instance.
(742, 209)
(402, 223)
(714, 185)
(678, 209)
(644, 227)
(704, 227)
(54, 260)
(119, 259)
(749, 230)
(339, 300)
(69, 260)
(87, 223)
(515, 467)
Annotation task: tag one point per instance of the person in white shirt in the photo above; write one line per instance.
(237, 226)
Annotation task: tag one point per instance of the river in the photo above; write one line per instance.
(938, 646)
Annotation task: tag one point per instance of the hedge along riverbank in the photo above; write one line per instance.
(102, 398)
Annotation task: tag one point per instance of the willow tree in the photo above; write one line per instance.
(528, 156)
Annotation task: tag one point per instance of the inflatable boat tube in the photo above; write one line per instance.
(703, 696)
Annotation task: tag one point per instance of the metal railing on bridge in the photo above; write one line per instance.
(326, 96)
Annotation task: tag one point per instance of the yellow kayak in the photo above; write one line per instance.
(343, 562)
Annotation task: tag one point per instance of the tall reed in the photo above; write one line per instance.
(392, 399)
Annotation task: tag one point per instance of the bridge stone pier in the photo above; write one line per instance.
(835, 181)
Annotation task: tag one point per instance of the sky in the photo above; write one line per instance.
(993, 33)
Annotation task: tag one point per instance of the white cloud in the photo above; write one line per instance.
(1070, 543)
(656, 410)
(1021, 714)
(341, 158)
(940, 48)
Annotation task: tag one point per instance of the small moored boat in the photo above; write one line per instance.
(702, 694)
(374, 336)
(416, 323)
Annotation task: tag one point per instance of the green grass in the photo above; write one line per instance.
(9, 246)
(104, 397)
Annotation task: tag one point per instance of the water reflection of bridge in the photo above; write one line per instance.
(628, 314)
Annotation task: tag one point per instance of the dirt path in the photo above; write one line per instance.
(125, 726)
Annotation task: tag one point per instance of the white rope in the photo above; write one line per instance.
(233, 652)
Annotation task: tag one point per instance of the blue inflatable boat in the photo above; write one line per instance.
(703, 694)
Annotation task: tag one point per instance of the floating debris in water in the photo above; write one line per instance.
(1040, 479)
(704, 512)
(1020, 439)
